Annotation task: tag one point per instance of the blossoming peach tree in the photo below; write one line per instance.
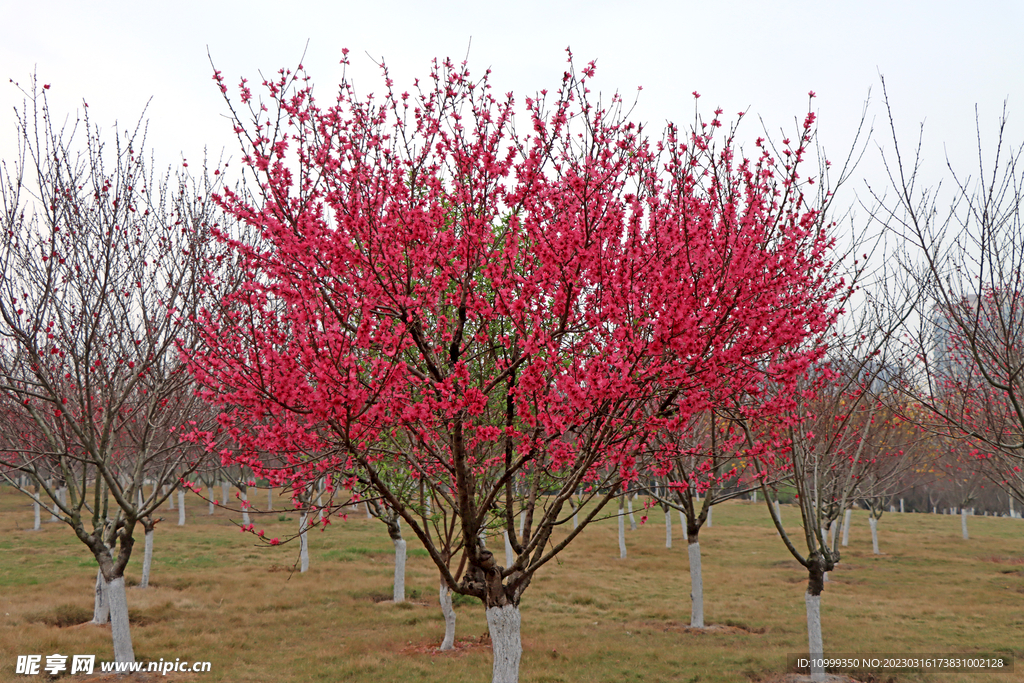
(508, 316)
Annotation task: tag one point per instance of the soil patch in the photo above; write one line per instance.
(679, 627)
(460, 649)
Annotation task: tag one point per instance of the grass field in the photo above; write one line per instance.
(589, 617)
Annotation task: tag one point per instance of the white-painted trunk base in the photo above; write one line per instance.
(632, 519)
(449, 617)
(709, 522)
(622, 538)
(170, 500)
(270, 499)
(181, 507)
(245, 508)
(873, 523)
(901, 505)
(101, 606)
(117, 597)
(303, 545)
(696, 587)
(399, 595)
(35, 509)
(210, 495)
(668, 528)
(963, 523)
(832, 528)
(223, 493)
(504, 624)
(682, 523)
(846, 527)
(509, 554)
(147, 560)
(814, 635)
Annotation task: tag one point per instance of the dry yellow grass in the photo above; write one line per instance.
(589, 617)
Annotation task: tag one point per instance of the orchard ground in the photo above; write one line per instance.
(216, 596)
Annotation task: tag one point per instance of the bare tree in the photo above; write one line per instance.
(102, 264)
(964, 258)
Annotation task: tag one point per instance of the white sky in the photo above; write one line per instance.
(939, 58)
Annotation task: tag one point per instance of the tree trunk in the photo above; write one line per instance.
(270, 499)
(101, 607)
(449, 617)
(399, 594)
(696, 586)
(368, 515)
(147, 559)
(632, 519)
(963, 523)
(504, 624)
(901, 505)
(753, 497)
(211, 494)
(170, 500)
(245, 508)
(874, 535)
(35, 508)
(575, 517)
(708, 524)
(522, 522)
(668, 528)
(832, 529)
(682, 523)
(622, 533)
(181, 507)
(509, 554)
(814, 636)
(303, 545)
(53, 511)
(224, 493)
(117, 597)
(846, 527)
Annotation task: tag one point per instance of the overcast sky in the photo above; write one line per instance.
(940, 59)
